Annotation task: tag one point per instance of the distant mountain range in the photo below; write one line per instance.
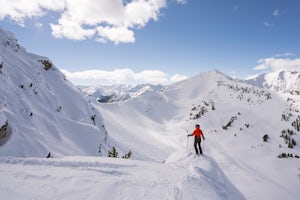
(283, 81)
(278, 81)
(115, 93)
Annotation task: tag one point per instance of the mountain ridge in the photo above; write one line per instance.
(119, 92)
(235, 117)
(44, 112)
(284, 81)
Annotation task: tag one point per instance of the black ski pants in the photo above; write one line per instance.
(197, 141)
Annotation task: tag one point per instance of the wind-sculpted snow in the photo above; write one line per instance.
(104, 178)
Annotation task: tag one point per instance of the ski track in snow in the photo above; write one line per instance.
(248, 179)
(190, 177)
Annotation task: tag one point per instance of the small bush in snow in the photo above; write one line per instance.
(59, 108)
(201, 112)
(296, 123)
(47, 64)
(93, 118)
(100, 150)
(229, 123)
(282, 155)
(265, 138)
(213, 107)
(1, 66)
(287, 135)
(113, 153)
(49, 155)
(288, 155)
(3, 130)
(128, 155)
(292, 143)
(284, 117)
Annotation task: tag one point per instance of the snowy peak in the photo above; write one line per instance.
(279, 81)
(236, 118)
(117, 93)
(218, 74)
(214, 75)
(8, 40)
(198, 85)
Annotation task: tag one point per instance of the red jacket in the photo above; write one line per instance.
(198, 132)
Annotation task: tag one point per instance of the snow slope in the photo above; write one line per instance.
(234, 116)
(45, 113)
(104, 178)
(281, 80)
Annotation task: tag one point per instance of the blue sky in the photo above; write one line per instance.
(157, 41)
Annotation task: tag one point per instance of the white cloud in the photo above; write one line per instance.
(113, 20)
(182, 1)
(275, 12)
(268, 24)
(116, 34)
(120, 76)
(38, 25)
(177, 78)
(286, 54)
(151, 76)
(71, 30)
(19, 10)
(276, 63)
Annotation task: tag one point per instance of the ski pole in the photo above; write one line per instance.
(187, 141)
(203, 146)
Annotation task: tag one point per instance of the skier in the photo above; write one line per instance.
(197, 133)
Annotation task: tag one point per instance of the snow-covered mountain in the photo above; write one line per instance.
(116, 93)
(280, 81)
(236, 118)
(251, 150)
(40, 111)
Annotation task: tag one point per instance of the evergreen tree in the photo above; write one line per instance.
(265, 138)
(49, 155)
(113, 152)
(128, 155)
(100, 150)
